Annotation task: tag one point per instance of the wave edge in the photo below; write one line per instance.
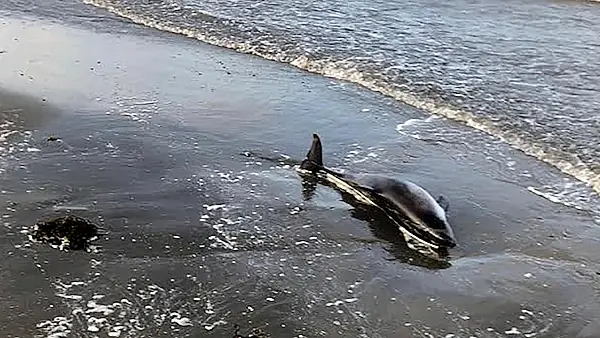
(567, 163)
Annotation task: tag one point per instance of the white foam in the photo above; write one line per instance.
(122, 318)
(335, 303)
(56, 328)
(410, 123)
(209, 308)
(115, 331)
(570, 193)
(527, 312)
(179, 320)
(69, 207)
(99, 308)
(209, 327)
(214, 207)
(143, 103)
(93, 328)
(65, 296)
(544, 195)
(513, 330)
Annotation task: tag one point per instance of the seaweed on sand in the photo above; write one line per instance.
(67, 232)
(256, 333)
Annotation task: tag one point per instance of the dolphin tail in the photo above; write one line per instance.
(314, 157)
(443, 202)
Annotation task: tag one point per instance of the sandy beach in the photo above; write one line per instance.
(156, 140)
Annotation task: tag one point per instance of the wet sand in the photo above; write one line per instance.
(153, 128)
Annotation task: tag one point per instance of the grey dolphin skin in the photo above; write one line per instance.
(411, 207)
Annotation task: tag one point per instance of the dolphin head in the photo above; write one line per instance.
(414, 207)
(439, 231)
(445, 236)
(428, 224)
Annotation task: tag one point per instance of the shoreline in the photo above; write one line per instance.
(567, 163)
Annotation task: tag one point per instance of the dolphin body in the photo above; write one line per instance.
(418, 215)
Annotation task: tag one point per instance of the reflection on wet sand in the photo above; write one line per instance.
(24, 111)
(20, 114)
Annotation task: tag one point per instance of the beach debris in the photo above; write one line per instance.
(256, 333)
(66, 233)
(52, 138)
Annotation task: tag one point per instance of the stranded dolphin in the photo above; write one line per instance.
(411, 207)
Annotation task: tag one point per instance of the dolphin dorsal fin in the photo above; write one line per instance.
(315, 154)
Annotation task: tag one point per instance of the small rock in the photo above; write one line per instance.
(69, 232)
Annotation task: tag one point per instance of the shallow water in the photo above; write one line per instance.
(524, 71)
(202, 236)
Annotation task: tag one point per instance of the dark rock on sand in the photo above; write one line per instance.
(66, 233)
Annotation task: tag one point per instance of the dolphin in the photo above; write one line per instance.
(418, 215)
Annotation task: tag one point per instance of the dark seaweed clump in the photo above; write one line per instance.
(68, 232)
